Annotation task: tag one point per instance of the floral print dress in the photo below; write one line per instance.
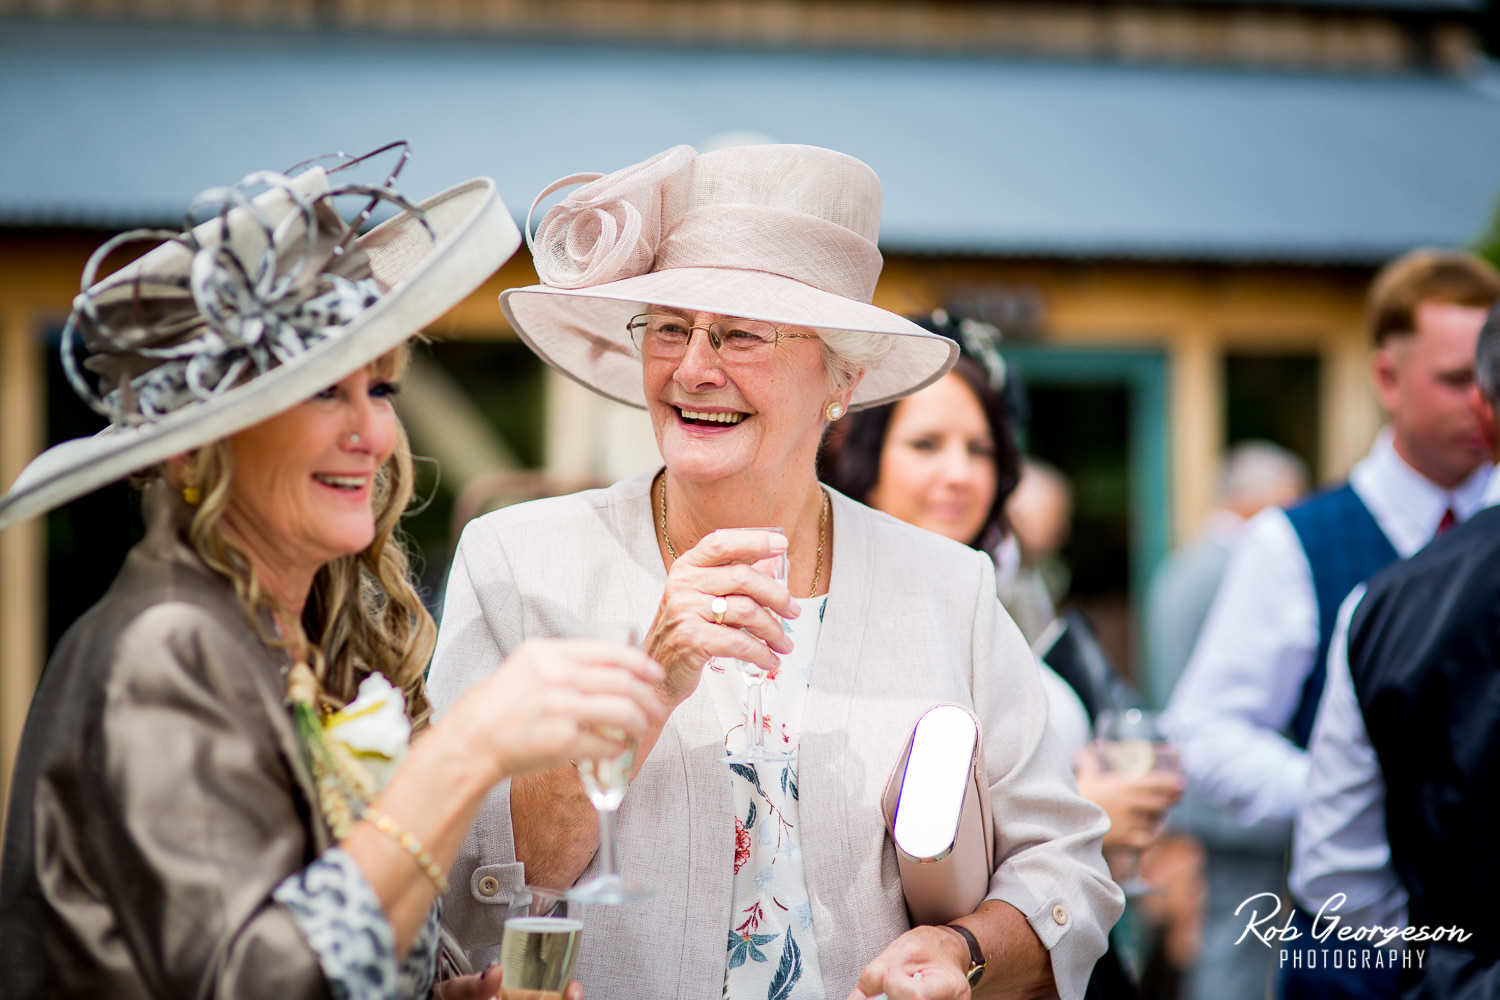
(771, 951)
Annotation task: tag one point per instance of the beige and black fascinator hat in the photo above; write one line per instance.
(780, 233)
(266, 297)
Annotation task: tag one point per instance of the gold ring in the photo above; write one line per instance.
(718, 606)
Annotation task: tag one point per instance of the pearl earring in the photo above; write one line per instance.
(834, 410)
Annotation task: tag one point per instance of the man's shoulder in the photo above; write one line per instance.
(1201, 560)
(1327, 504)
(1445, 597)
(1462, 558)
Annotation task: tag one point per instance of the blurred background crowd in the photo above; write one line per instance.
(1162, 218)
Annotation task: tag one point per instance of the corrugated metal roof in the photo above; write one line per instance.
(112, 125)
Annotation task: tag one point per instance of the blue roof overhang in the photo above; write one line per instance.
(110, 125)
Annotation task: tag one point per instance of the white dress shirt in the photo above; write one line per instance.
(1242, 686)
(1340, 844)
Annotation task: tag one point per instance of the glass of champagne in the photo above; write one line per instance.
(605, 780)
(539, 947)
(1129, 741)
(755, 750)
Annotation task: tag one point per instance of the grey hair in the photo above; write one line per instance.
(1254, 468)
(1487, 357)
(848, 352)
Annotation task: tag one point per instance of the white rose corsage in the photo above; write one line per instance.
(354, 751)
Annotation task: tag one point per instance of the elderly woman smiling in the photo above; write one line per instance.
(729, 294)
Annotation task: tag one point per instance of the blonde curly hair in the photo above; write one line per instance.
(363, 614)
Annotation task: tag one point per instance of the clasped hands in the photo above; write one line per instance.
(688, 631)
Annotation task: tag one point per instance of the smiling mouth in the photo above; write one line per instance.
(346, 483)
(726, 417)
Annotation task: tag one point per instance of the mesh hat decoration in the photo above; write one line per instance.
(270, 299)
(780, 233)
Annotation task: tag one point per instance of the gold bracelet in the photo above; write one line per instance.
(411, 845)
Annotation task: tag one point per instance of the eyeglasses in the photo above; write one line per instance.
(663, 335)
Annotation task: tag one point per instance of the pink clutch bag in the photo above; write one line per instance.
(937, 812)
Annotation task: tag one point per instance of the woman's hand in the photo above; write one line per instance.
(486, 986)
(687, 632)
(1135, 804)
(553, 700)
(925, 963)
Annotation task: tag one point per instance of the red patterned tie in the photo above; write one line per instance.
(1448, 521)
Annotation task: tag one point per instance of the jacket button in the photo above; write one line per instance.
(1060, 913)
(489, 885)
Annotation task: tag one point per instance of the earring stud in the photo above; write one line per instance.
(354, 439)
(834, 410)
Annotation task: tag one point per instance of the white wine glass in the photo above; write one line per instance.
(1129, 741)
(539, 947)
(605, 779)
(755, 750)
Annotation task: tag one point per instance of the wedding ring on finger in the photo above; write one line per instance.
(718, 606)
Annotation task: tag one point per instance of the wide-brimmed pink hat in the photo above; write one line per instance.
(780, 233)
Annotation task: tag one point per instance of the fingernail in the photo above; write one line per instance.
(779, 543)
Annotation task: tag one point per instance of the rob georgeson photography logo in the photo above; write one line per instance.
(1331, 943)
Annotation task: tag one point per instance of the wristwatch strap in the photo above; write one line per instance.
(976, 955)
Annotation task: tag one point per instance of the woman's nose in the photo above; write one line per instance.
(957, 466)
(370, 427)
(700, 364)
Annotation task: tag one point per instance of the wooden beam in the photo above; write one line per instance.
(1196, 418)
(22, 565)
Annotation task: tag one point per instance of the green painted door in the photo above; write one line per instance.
(1100, 416)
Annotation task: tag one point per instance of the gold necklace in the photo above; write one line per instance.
(822, 532)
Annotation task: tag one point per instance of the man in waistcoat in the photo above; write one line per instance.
(1242, 712)
(1402, 813)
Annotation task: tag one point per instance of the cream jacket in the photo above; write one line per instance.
(912, 621)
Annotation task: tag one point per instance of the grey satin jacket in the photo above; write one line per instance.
(912, 620)
(158, 741)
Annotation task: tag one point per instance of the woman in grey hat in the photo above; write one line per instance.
(214, 794)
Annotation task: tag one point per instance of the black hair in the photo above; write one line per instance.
(850, 463)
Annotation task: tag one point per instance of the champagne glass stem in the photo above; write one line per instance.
(754, 715)
(608, 865)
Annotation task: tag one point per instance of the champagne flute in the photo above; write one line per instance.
(1129, 741)
(539, 947)
(605, 779)
(755, 750)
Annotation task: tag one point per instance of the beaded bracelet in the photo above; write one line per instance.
(411, 845)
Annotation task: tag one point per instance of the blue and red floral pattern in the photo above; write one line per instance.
(770, 950)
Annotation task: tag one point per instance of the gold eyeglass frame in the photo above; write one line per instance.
(715, 340)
